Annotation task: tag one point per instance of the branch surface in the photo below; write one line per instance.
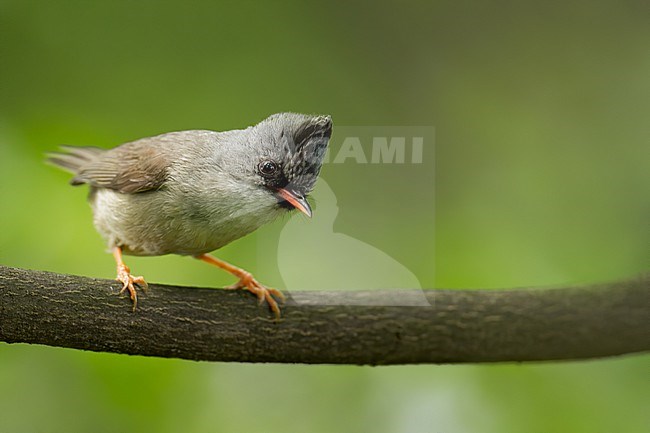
(338, 327)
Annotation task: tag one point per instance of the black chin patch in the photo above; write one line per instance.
(285, 205)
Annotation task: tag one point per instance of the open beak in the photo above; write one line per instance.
(296, 200)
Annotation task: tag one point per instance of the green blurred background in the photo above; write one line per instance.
(541, 116)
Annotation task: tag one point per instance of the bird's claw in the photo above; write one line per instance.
(263, 293)
(129, 282)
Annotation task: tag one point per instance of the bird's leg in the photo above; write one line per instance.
(124, 276)
(246, 281)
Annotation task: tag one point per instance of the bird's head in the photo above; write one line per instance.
(285, 156)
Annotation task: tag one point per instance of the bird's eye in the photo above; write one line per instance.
(268, 167)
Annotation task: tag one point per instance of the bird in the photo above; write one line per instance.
(192, 192)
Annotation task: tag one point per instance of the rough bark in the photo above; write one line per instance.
(339, 327)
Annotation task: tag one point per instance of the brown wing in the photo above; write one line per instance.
(130, 168)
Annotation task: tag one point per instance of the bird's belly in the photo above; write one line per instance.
(150, 224)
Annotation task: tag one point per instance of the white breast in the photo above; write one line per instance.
(175, 221)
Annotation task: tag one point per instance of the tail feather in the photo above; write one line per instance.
(74, 157)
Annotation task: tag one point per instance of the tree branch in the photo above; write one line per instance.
(460, 326)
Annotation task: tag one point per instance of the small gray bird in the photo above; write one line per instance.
(192, 192)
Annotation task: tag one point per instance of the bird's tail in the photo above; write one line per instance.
(74, 157)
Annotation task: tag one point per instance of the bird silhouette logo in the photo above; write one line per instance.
(342, 262)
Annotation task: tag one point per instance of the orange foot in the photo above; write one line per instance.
(129, 282)
(263, 293)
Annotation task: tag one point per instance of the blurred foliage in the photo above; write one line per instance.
(541, 178)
